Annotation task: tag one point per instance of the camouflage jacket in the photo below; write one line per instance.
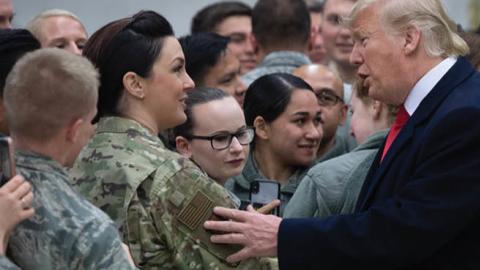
(66, 232)
(158, 199)
(5, 264)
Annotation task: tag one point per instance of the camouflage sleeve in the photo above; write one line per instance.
(5, 264)
(101, 248)
(167, 232)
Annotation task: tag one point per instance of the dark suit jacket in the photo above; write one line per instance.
(419, 208)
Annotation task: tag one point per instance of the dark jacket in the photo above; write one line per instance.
(419, 208)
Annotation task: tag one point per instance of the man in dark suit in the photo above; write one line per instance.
(420, 204)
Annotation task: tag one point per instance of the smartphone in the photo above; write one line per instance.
(263, 192)
(7, 160)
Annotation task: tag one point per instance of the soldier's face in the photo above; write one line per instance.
(64, 33)
(362, 124)
(294, 136)
(166, 87)
(239, 30)
(212, 118)
(333, 115)
(337, 38)
(225, 75)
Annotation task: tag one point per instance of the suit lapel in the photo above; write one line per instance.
(381, 168)
(457, 74)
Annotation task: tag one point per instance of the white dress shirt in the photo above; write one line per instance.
(427, 83)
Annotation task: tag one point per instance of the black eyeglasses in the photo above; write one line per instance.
(223, 140)
(327, 97)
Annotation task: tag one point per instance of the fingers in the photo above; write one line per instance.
(22, 190)
(27, 200)
(12, 184)
(27, 213)
(223, 226)
(266, 209)
(228, 213)
(243, 254)
(231, 238)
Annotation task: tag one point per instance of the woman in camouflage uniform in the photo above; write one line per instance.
(157, 198)
(285, 113)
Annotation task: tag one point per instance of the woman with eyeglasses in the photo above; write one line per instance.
(215, 135)
(285, 113)
(158, 199)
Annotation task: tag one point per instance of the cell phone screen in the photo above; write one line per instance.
(263, 192)
(7, 169)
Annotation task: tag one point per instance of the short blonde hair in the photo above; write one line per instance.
(48, 89)
(439, 32)
(34, 25)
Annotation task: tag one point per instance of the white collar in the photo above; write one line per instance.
(427, 83)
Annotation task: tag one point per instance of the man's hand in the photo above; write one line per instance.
(257, 233)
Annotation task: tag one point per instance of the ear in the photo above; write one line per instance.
(72, 131)
(343, 114)
(261, 128)
(183, 146)
(412, 39)
(376, 109)
(133, 84)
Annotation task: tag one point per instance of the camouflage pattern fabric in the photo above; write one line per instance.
(66, 232)
(158, 199)
(5, 264)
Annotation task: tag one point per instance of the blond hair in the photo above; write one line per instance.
(439, 32)
(35, 24)
(48, 89)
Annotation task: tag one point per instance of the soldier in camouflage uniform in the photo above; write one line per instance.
(158, 199)
(49, 128)
(288, 131)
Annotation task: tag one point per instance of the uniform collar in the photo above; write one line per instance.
(116, 124)
(37, 161)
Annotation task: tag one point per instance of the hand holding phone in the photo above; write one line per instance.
(264, 193)
(269, 208)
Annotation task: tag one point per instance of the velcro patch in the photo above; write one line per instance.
(176, 198)
(196, 211)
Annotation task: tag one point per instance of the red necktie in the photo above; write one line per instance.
(400, 120)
